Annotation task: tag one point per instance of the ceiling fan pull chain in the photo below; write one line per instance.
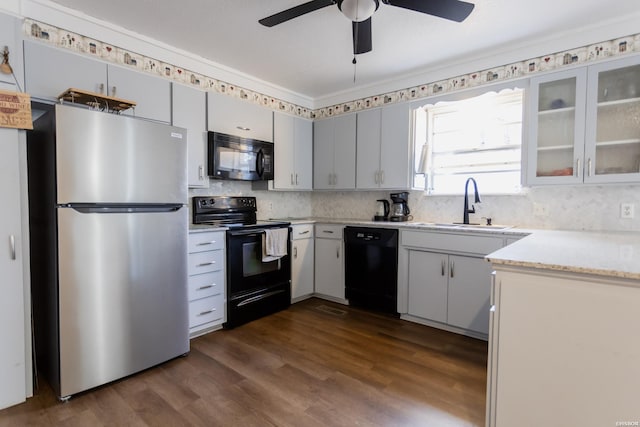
(354, 62)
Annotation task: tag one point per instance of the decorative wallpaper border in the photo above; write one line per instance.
(78, 43)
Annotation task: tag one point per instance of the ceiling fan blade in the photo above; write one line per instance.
(454, 10)
(294, 12)
(361, 36)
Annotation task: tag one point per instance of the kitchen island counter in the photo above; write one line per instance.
(610, 254)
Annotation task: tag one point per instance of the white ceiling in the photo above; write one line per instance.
(311, 55)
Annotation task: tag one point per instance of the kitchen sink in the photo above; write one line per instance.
(475, 226)
(455, 225)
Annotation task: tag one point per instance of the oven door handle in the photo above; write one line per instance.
(259, 297)
(253, 232)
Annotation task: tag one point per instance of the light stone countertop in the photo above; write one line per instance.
(202, 228)
(413, 225)
(610, 254)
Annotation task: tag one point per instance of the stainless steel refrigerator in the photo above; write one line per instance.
(108, 225)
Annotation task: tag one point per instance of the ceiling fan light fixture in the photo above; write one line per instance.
(358, 10)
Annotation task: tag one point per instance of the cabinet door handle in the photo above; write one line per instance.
(381, 177)
(375, 177)
(451, 268)
(577, 174)
(206, 243)
(327, 231)
(202, 313)
(305, 232)
(295, 252)
(113, 91)
(337, 252)
(589, 167)
(202, 288)
(206, 263)
(291, 178)
(101, 88)
(296, 179)
(442, 263)
(335, 179)
(12, 247)
(243, 128)
(201, 172)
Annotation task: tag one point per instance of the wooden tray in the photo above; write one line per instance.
(95, 100)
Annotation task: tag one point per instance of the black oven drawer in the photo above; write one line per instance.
(261, 302)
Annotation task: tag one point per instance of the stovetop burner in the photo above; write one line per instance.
(235, 212)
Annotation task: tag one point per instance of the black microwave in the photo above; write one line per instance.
(237, 158)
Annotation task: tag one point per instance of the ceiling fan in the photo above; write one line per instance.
(360, 11)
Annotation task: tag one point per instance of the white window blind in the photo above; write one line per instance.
(478, 137)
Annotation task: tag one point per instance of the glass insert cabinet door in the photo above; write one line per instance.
(556, 106)
(612, 146)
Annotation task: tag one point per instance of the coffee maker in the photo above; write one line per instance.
(399, 208)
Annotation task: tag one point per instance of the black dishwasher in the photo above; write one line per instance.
(371, 268)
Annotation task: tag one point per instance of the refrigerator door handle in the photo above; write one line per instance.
(93, 208)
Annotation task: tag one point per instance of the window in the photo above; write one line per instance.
(478, 137)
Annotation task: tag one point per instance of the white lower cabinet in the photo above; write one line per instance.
(444, 280)
(450, 289)
(302, 262)
(207, 294)
(329, 257)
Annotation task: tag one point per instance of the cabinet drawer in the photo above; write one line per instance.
(207, 241)
(302, 231)
(329, 231)
(203, 262)
(206, 285)
(206, 310)
(481, 245)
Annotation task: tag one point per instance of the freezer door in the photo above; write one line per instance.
(108, 158)
(122, 294)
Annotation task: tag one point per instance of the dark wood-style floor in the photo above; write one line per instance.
(315, 364)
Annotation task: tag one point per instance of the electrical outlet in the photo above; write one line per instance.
(539, 209)
(626, 210)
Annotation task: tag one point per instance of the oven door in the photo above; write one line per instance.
(246, 270)
(254, 288)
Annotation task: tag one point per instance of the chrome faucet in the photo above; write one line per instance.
(467, 211)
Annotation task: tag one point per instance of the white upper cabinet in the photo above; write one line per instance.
(235, 116)
(50, 71)
(612, 145)
(556, 127)
(383, 147)
(189, 111)
(334, 153)
(293, 140)
(8, 25)
(152, 94)
(581, 125)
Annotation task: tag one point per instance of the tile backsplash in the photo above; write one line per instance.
(579, 207)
